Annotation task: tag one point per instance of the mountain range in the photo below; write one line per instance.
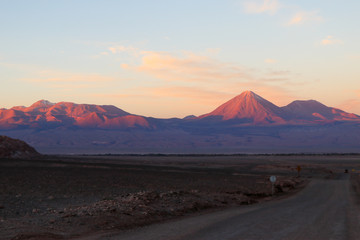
(246, 123)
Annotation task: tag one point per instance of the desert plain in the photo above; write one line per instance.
(109, 196)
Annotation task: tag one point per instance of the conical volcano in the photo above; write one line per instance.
(249, 107)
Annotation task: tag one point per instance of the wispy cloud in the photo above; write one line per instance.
(118, 49)
(188, 67)
(121, 49)
(330, 40)
(272, 7)
(302, 17)
(264, 6)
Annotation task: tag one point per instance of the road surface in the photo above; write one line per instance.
(325, 209)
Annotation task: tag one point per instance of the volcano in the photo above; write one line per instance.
(250, 108)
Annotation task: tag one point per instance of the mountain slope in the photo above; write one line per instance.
(44, 114)
(312, 110)
(14, 148)
(250, 107)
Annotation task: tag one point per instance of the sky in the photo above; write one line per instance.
(173, 58)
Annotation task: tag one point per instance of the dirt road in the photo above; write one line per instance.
(324, 210)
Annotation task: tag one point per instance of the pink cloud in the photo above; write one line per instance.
(302, 17)
(187, 68)
(330, 40)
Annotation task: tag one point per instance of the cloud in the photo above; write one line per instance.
(116, 49)
(188, 67)
(330, 40)
(196, 71)
(305, 17)
(265, 6)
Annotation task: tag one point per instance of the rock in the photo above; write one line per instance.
(14, 148)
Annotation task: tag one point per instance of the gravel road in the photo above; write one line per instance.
(325, 209)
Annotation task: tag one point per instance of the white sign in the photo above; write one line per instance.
(272, 179)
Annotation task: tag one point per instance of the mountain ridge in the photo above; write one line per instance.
(245, 109)
(44, 114)
(246, 123)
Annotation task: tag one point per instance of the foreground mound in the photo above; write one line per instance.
(14, 148)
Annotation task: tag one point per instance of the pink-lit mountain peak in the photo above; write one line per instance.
(71, 109)
(248, 105)
(42, 104)
(43, 112)
(79, 110)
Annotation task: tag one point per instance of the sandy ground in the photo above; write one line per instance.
(83, 197)
(324, 210)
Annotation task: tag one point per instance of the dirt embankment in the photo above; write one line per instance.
(14, 148)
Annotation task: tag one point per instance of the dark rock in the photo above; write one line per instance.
(14, 148)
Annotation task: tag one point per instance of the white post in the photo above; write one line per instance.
(272, 180)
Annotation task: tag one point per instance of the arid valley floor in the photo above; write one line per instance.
(81, 197)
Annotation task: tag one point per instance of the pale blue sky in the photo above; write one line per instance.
(175, 58)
